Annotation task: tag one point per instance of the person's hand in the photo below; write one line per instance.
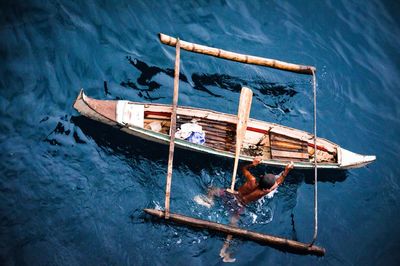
(290, 166)
(257, 160)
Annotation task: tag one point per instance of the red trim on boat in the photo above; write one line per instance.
(322, 148)
(258, 130)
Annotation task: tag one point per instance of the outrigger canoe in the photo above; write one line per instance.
(276, 144)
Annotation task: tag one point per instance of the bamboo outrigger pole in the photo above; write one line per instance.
(273, 241)
(315, 162)
(247, 59)
(172, 131)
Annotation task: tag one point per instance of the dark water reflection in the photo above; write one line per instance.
(277, 94)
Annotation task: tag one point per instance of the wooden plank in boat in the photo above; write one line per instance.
(304, 136)
(221, 128)
(164, 122)
(220, 147)
(289, 154)
(220, 133)
(190, 118)
(290, 133)
(278, 137)
(208, 122)
(217, 138)
(288, 150)
(154, 116)
(281, 145)
(286, 159)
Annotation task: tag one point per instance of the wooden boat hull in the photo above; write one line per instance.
(276, 144)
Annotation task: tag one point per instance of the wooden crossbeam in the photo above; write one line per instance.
(273, 241)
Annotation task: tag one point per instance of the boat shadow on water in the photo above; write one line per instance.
(131, 146)
(277, 100)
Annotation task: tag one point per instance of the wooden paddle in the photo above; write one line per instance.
(246, 96)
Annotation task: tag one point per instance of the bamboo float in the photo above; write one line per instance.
(247, 59)
(172, 131)
(273, 241)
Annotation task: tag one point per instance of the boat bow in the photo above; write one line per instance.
(353, 160)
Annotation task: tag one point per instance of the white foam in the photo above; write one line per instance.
(203, 201)
(272, 193)
(157, 206)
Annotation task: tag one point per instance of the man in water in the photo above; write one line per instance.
(250, 191)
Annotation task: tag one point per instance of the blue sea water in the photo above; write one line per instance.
(72, 191)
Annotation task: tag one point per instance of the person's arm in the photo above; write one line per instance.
(282, 177)
(246, 172)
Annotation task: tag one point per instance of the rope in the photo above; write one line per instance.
(315, 161)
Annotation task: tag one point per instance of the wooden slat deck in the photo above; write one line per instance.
(288, 149)
(219, 135)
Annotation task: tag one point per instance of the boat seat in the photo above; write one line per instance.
(130, 114)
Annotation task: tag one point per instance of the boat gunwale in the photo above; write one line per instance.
(251, 120)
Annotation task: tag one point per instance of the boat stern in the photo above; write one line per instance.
(351, 160)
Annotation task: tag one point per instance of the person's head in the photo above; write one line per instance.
(266, 181)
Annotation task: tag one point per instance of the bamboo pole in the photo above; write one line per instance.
(172, 131)
(273, 241)
(315, 163)
(247, 59)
